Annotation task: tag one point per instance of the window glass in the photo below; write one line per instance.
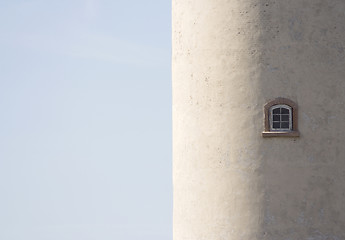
(284, 111)
(276, 111)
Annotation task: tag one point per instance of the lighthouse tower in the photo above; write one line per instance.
(258, 119)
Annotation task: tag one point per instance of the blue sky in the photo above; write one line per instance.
(85, 124)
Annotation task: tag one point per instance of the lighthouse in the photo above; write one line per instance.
(258, 119)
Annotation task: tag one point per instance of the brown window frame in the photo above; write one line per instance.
(268, 132)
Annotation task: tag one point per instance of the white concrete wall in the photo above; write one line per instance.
(229, 58)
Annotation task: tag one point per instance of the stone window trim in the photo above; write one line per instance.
(269, 132)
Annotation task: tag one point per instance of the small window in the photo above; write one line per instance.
(280, 118)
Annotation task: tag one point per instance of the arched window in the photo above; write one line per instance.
(280, 118)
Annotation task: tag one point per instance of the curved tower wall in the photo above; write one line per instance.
(230, 57)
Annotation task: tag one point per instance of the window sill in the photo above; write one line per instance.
(281, 134)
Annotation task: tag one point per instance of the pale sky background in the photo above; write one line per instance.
(85, 120)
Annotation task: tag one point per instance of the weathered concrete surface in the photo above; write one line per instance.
(229, 58)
